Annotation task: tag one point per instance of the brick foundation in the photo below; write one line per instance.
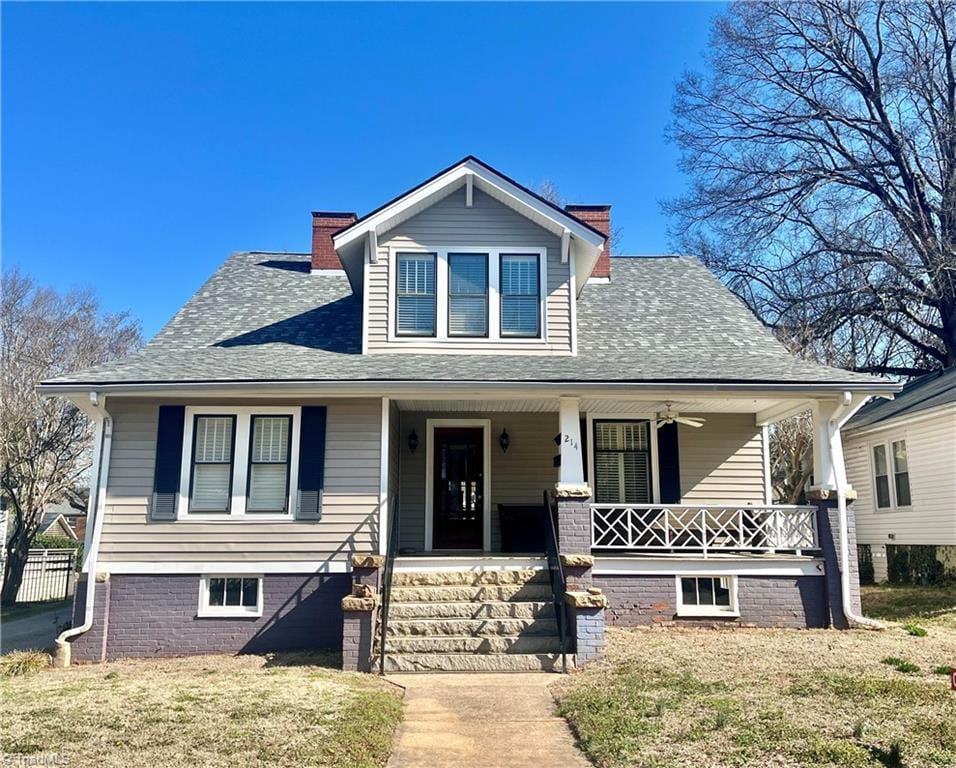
(765, 601)
(155, 615)
(828, 527)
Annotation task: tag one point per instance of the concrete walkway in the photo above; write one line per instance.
(35, 632)
(464, 720)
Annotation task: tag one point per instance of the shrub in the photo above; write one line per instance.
(23, 663)
(47, 541)
(914, 564)
(865, 559)
(902, 665)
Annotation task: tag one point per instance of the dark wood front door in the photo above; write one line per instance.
(458, 494)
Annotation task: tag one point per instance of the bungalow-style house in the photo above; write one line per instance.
(455, 435)
(901, 458)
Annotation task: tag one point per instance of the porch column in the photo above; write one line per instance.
(571, 472)
(572, 493)
(829, 475)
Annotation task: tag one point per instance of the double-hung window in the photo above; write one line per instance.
(520, 295)
(891, 477)
(467, 294)
(416, 294)
(622, 462)
(213, 449)
(270, 444)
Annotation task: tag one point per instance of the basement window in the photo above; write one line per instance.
(235, 596)
(707, 596)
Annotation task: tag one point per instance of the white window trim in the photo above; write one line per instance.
(652, 437)
(891, 470)
(207, 611)
(430, 424)
(240, 463)
(707, 611)
(441, 295)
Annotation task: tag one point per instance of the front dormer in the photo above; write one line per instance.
(467, 262)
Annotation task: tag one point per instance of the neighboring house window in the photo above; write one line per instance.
(269, 464)
(707, 596)
(213, 444)
(891, 477)
(230, 596)
(416, 294)
(520, 301)
(622, 462)
(467, 294)
(901, 474)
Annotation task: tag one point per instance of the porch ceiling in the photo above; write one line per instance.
(609, 406)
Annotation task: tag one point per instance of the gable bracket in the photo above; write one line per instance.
(565, 245)
(469, 189)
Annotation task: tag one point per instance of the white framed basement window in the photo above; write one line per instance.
(707, 596)
(891, 475)
(467, 294)
(239, 463)
(230, 596)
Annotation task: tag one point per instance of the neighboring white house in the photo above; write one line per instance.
(901, 459)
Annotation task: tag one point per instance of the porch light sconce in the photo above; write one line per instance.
(504, 441)
(413, 441)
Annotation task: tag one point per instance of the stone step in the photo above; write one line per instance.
(469, 578)
(487, 645)
(472, 627)
(474, 662)
(469, 593)
(472, 610)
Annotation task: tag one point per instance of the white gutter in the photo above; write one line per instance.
(95, 509)
(840, 416)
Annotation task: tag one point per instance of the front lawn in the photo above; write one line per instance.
(286, 710)
(705, 697)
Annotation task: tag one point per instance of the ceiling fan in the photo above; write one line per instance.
(670, 416)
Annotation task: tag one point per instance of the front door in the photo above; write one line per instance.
(459, 488)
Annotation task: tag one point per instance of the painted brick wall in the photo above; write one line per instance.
(152, 615)
(765, 601)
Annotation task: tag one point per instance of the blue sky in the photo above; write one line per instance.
(144, 143)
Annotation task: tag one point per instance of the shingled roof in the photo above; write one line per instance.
(263, 317)
(930, 391)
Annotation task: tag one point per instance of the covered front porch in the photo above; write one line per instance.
(469, 476)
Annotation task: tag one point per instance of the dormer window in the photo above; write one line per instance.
(468, 294)
(520, 297)
(416, 294)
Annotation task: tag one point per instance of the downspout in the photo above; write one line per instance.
(95, 509)
(843, 413)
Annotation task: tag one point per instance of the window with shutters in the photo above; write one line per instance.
(622, 462)
(891, 475)
(269, 464)
(230, 596)
(213, 447)
(240, 462)
(707, 596)
(416, 294)
(468, 294)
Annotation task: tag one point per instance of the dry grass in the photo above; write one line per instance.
(23, 663)
(201, 711)
(704, 697)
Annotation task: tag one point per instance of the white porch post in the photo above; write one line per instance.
(571, 472)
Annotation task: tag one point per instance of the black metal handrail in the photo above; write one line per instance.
(556, 576)
(390, 553)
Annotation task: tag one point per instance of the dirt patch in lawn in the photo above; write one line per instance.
(221, 711)
(705, 697)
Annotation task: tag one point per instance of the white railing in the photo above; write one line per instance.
(703, 529)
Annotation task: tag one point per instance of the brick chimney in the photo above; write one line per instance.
(324, 225)
(599, 217)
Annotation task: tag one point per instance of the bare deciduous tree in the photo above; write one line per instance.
(822, 152)
(791, 457)
(45, 442)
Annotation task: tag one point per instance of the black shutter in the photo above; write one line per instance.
(584, 448)
(169, 461)
(311, 463)
(668, 463)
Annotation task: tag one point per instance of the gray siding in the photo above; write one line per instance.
(517, 477)
(931, 453)
(349, 505)
(489, 224)
(722, 462)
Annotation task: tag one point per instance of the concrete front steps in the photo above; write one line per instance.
(489, 620)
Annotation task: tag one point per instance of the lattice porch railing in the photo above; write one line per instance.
(703, 529)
